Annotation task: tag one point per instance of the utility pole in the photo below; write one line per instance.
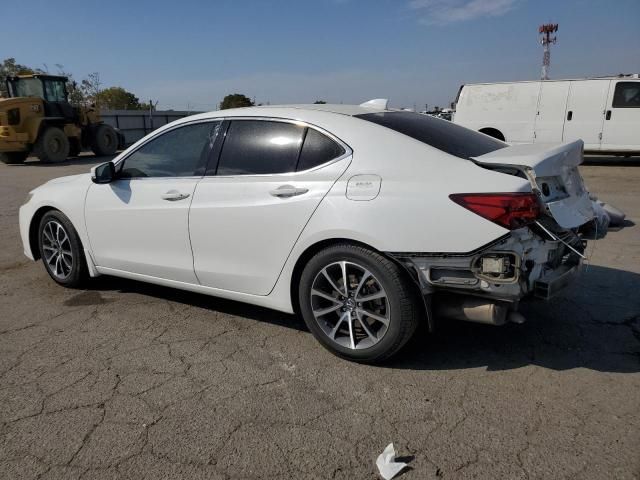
(152, 107)
(546, 40)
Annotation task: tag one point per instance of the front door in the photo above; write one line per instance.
(248, 212)
(585, 112)
(139, 223)
(621, 130)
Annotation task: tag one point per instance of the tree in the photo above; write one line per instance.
(235, 100)
(319, 102)
(76, 96)
(117, 98)
(90, 87)
(8, 68)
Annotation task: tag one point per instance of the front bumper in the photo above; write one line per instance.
(24, 215)
(12, 141)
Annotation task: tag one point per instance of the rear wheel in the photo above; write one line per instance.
(61, 250)
(357, 303)
(52, 145)
(13, 158)
(105, 140)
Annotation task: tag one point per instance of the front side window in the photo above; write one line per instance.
(177, 153)
(441, 134)
(627, 95)
(258, 147)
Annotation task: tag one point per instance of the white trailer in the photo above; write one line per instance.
(603, 112)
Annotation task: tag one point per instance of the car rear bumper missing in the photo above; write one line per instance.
(520, 265)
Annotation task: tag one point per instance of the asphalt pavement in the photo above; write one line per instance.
(134, 381)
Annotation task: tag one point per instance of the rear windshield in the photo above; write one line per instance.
(440, 134)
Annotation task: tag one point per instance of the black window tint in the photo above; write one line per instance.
(440, 134)
(254, 147)
(627, 95)
(317, 149)
(177, 153)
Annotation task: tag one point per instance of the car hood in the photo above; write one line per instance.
(81, 177)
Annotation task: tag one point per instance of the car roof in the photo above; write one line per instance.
(294, 110)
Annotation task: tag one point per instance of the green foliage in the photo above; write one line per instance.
(117, 98)
(235, 100)
(319, 102)
(8, 68)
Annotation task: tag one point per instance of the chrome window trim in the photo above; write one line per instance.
(155, 135)
(347, 149)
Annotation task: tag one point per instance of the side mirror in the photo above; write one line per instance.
(103, 173)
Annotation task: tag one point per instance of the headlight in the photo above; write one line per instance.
(29, 197)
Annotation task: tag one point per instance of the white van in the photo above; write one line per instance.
(603, 112)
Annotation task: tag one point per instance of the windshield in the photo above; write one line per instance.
(441, 134)
(26, 87)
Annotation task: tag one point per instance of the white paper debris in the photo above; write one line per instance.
(387, 465)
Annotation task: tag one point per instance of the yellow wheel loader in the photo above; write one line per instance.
(37, 119)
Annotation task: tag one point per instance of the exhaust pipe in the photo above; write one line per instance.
(478, 310)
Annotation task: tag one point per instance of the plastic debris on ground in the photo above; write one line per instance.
(387, 465)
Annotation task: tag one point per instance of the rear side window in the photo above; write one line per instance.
(257, 147)
(441, 134)
(317, 149)
(176, 153)
(627, 95)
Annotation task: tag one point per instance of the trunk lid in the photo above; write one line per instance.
(554, 176)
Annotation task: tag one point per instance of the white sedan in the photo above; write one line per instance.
(363, 219)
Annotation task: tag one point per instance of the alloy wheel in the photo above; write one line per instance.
(57, 250)
(350, 305)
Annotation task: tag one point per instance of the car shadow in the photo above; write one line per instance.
(595, 324)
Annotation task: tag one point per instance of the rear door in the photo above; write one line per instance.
(585, 112)
(250, 208)
(552, 106)
(621, 130)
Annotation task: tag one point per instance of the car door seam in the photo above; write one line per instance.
(304, 227)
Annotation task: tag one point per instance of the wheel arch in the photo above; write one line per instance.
(35, 223)
(314, 248)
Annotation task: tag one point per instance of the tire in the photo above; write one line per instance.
(61, 250)
(52, 146)
(104, 140)
(383, 290)
(13, 158)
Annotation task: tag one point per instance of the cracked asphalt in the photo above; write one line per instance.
(132, 381)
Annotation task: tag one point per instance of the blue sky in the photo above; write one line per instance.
(192, 53)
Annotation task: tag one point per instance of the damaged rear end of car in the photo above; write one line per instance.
(543, 247)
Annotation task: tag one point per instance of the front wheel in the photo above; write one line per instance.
(357, 303)
(52, 146)
(61, 250)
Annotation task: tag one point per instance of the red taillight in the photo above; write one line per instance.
(509, 210)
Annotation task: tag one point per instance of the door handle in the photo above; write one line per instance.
(608, 115)
(569, 115)
(174, 195)
(286, 191)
